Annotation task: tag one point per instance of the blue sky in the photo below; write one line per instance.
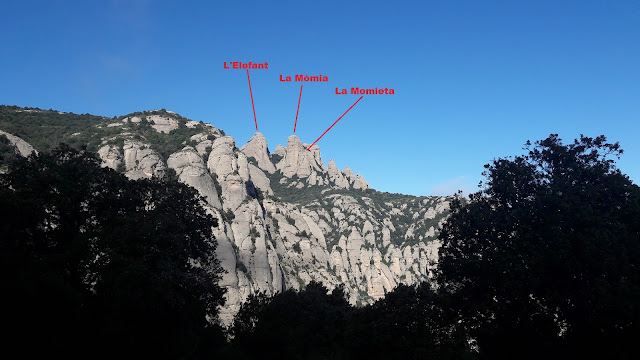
(474, 80)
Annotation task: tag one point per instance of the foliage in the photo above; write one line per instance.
(317, 324)
(541, 262)
(290, 220)
(303, 234)
(8, 152)
(170, 175)
(228, 215)
(410, 322)
(128, 267)
(45, 129)
(252, 160)
(275, 158)
(292, 325)
(276, 225)
(313, 197)
(165, 143)
(240, 266)
(545, 257)
(253, 233)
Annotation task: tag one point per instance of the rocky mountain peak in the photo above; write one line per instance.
(298, 161)
(332, 168)
(307, 167)
(336, 176)
(293, 139)
(280, 150)
(258, 149)
(285, 219)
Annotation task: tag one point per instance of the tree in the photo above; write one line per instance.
(90, 260)
(308, 324)
(410, 322)
(8, 152)
(545, 257)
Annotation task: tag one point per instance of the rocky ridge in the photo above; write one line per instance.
(285, 218)
(22, 147)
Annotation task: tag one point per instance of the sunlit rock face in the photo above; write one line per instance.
(257, 148)
(285, 218)
(347, 236)
(22, 147)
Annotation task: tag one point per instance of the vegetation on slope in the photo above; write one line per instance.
(541, 263)
(8, 153)
(316, 197)
(46, 129)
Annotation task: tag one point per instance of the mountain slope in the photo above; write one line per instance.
(285, 218)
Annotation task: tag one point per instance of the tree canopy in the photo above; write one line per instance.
(313, 323)
(90, 260)
(543, 261)
(293, 325)
(545, 257)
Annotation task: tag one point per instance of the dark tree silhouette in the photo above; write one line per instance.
(90, 260)
(545, 259)
(293, 325)
(410, 322)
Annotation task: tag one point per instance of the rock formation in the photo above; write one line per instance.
(192, 171)
(257, 148)
(299, 162)
(285, 218)
(141, 161)
(24, 148)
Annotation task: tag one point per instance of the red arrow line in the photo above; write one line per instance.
(252, 105)
(296, 124)
(354, 104)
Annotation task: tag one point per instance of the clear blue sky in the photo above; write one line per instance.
(474, 80)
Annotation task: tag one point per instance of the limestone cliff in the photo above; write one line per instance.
(22, 147)
(285, 218)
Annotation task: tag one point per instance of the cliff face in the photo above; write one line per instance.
(285, 218)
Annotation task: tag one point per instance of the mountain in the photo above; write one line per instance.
(285, 217)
